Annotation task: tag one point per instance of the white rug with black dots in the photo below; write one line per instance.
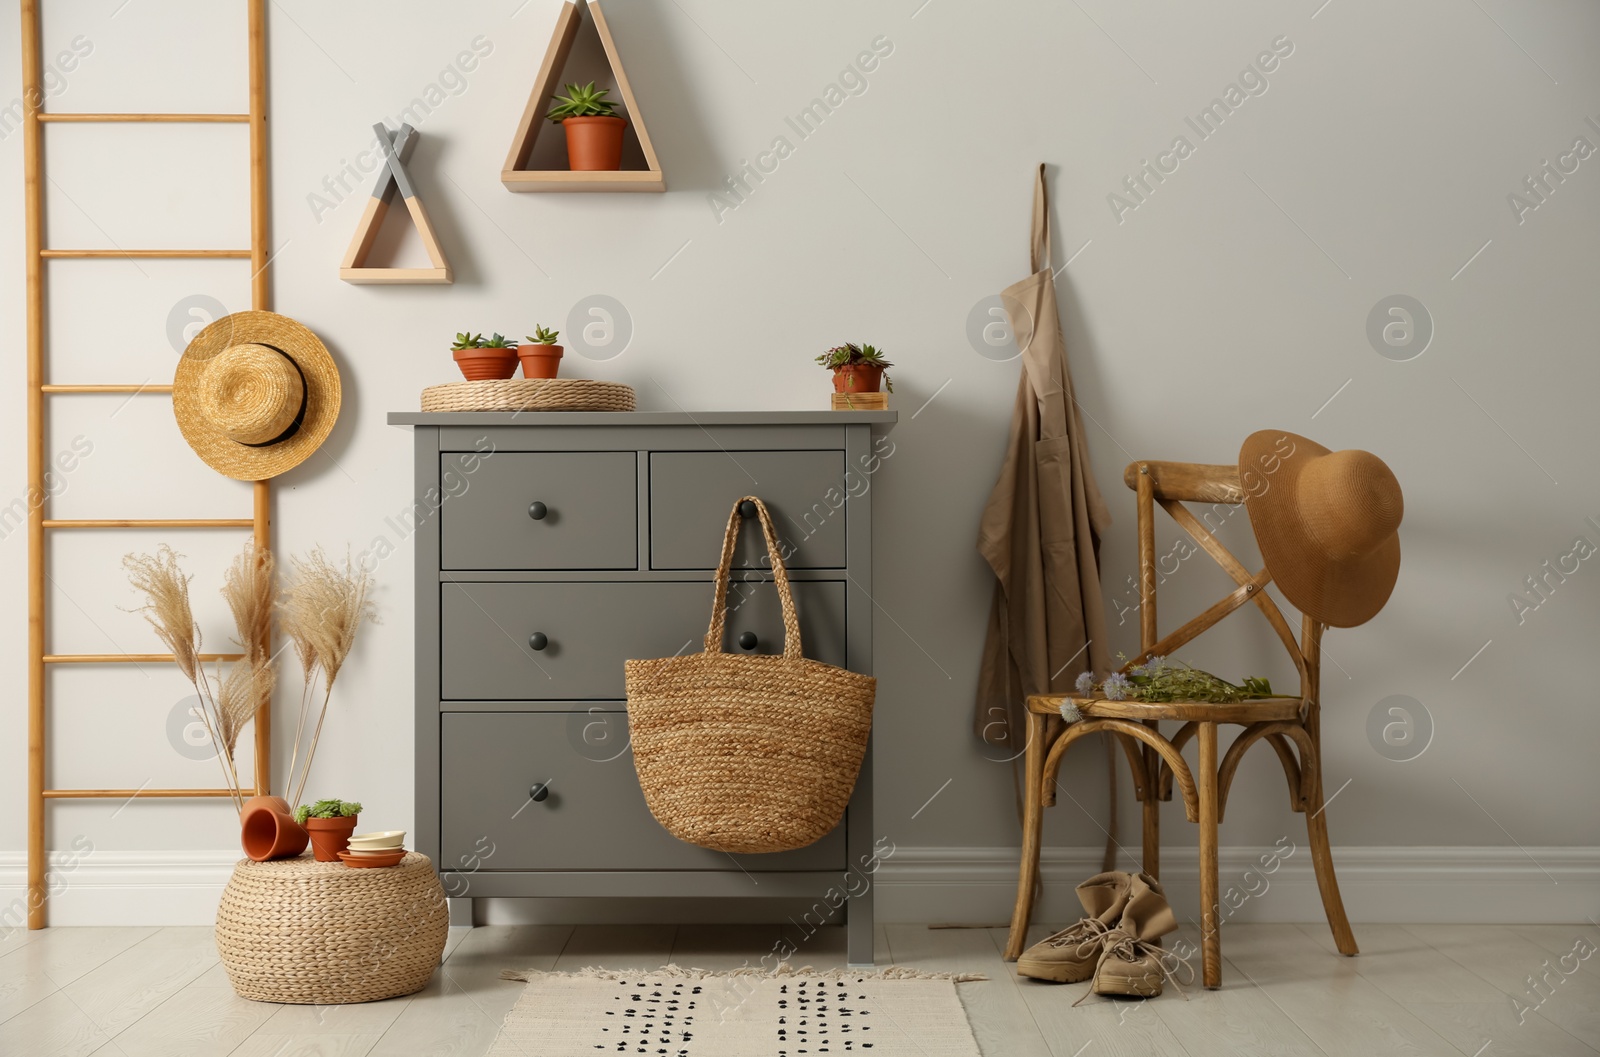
(676, 1012)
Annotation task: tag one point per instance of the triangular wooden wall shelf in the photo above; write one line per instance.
(353, 269)
(517, 178)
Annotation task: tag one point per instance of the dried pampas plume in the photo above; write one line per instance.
(246, 687)
(322, 608)
(166, 608)
(249, 591)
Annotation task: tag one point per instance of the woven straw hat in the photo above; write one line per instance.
(255, 394)
(1327, 523)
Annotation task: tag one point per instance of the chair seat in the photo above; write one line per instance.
(1255, 710)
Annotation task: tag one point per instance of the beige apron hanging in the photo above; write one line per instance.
(1041, 529)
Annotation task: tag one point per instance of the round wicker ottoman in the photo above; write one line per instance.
(322, 933)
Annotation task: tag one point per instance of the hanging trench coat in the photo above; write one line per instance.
(1041, 529)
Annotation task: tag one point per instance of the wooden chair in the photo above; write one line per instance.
(1286, 723)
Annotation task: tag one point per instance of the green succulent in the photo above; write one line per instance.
(544, 336)
(468, 340)
(850, 354)
(582, 101)
(497, 341)
(326, 809)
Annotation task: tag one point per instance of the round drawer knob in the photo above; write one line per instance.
(747, 509)
(538, 640)
(748, 640)
(537, 511)
(539, 792)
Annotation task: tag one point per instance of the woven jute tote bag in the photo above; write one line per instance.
(748, 753)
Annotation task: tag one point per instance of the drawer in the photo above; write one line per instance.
(691, 493)
(593, 818)
(591, 628)
(589, 518)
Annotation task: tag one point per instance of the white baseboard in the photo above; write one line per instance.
(1474, 885)
(1548, 885)
(122, 888)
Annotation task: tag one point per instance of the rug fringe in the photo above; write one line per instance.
(894, 972)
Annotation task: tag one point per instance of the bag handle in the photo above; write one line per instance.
(780, 576)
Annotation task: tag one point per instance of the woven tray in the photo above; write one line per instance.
(529, 394)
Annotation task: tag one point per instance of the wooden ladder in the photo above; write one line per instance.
(39, 793)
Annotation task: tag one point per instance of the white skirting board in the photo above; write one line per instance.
(1469, 885)
(1477, 885)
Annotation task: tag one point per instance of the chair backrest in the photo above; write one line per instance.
(1170, 485)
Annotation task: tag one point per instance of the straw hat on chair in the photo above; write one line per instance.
(1327, 523)
(255, 394)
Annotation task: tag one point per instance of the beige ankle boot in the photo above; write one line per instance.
(1130, 963)
(1069, 956)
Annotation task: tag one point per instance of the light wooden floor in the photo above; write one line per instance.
(1424, 989)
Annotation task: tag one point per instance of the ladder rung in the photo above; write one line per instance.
(118, 388)
(131, 658)
(149, 522)
(165, 118)
(133, 794)
(143, 254)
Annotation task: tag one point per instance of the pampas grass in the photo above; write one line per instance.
(246, 686)
(323, 606)
(166, 608)
(250, 592)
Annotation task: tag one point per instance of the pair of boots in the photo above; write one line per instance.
(1115, 943)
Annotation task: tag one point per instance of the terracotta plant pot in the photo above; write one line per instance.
(594, 144)
(479, 365)
(857, 378)
(330, 836)
(539, 361)
(267, 829)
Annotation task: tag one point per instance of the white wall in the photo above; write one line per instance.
(1377, 161)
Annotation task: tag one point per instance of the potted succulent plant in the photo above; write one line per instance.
(330, 823)
(540, 355)
(857, 368)
(483, 358)
(594, 132)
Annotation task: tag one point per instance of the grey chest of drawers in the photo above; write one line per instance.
(551, 547)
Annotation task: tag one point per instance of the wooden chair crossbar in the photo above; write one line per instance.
(1290, 725)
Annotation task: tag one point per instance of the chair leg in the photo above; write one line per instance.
(1032, 820)
(1210, 918)
(1152, 813)
(1322, 860)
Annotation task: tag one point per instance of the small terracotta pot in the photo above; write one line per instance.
(594, 144)
(330, 836)
(858, 378)
(267, 829)
(479, 365)
(539, 361)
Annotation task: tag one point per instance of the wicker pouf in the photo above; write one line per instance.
(302, 931)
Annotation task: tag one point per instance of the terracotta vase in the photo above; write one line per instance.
(858, 378)
(267, 829)
(594, 144)
(539, 361)
(330, 836)
(479, 365)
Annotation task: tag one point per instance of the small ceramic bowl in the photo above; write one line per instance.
(378, 839)
(389, 858)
